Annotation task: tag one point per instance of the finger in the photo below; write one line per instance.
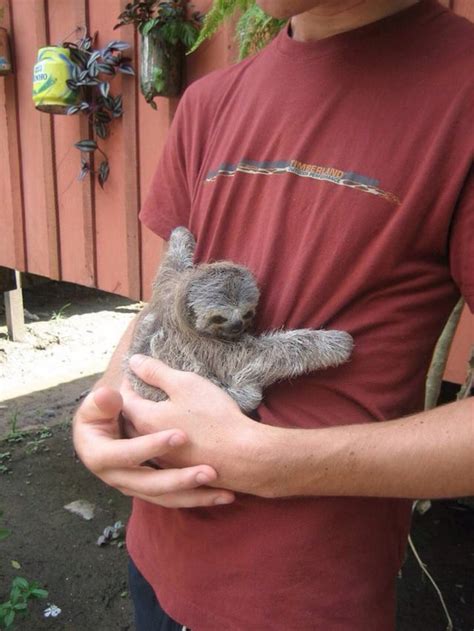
(148, 416)
(152, 482)
(102, 404)
(190, 499)
(119, 453)
(155, 372)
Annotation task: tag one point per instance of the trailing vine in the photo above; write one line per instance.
(92, 71)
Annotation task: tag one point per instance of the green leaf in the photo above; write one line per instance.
(126, 69)
(104, 88)
(104, 171)
(39, 593)
(93, 70)
(84, 171)
(15, 565)
(20, 582)
(149, 26)
(100, 130)
(94, 57)
(117, 45)
(106, 68)
(4, 533)
(86, 145)
(9, 618)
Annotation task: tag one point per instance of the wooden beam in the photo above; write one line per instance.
(14, 311)
(12, 239)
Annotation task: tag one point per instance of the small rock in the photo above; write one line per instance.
(423, 506)
(83, 508)
(49, 413)
(31, 317)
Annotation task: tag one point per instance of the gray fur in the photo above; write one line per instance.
(199, 319)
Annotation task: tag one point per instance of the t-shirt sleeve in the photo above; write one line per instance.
(168, 201)
(461, 244)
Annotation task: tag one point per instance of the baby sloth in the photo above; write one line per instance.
(199, 319)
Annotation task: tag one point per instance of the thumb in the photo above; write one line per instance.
(154, 372)
(102, 404)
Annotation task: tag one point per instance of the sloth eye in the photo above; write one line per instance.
(248, 315)
(217, 319)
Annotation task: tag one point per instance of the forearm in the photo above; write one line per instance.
(430, 454)
(114, 372)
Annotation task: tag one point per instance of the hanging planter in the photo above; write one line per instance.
(161, 67)
(51, 76)
(166, 33)
(75, 79)
(5, 56)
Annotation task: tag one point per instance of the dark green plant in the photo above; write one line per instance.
(171, 20)
(15, 435)
(167, 29)
(254, 28)
(5, 457)
(92, 71)
(4, 532)
(21, 593)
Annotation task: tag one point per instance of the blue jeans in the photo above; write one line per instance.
(149, 616)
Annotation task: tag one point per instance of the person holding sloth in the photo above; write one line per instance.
(336, 165)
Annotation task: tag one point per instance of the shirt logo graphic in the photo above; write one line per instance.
(301, 169)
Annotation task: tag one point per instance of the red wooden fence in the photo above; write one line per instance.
(54, 225)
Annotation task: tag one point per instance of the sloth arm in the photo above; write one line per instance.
(283, 355)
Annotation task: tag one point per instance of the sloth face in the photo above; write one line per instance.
(221, 300)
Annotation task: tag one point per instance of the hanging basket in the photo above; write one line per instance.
(5, 56)
(161, 67)
(51, 74)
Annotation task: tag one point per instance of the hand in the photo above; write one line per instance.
(219, 434)
(118, 461)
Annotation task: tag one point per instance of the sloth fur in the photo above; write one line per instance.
(199, 320)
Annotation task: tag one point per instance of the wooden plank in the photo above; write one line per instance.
(14, 311)
(116, 237)
(49, 173)
(36, 141)
(12, 242)
(67, 20)
(130, 166)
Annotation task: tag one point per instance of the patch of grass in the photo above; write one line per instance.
(37, 443)
(15, 435)
(5, 456)
(59, 314)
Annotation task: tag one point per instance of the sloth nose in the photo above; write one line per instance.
(235, 326)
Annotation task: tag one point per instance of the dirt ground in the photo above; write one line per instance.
(42, 380)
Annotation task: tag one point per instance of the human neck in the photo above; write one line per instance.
(337, 16)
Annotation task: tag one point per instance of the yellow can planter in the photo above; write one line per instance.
(52, 70)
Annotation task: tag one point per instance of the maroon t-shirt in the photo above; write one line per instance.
(340, 172)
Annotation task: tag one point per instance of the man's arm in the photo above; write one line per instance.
(430, 454)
